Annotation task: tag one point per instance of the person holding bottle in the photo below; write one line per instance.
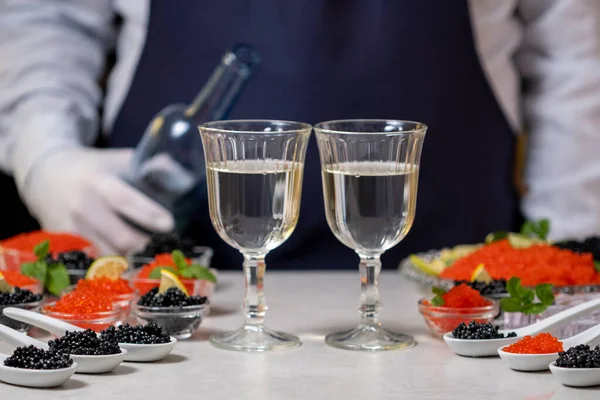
(476, 72)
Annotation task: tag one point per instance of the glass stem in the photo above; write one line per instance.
(254, 302)
(369, 306)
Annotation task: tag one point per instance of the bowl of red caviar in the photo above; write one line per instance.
(86, 309)
(195, 287)
(446, 311)
(120, 291)
(15, 278)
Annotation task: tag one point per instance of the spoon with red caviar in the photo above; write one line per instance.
(489, 347)
(536, 353)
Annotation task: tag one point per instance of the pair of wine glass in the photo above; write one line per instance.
(254, 172)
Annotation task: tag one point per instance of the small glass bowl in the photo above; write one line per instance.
(18, 325)
(202, 255)
(95, 321)
(179, 322)
(441, 320)
(123, 300)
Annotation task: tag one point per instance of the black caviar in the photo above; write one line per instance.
(173, 297)
(85, 343)
(166, 243)
(141, 334)
(19, 296)
(495, 287)
(581, 356)
(588, 245)
(72, 260)
(31, 357)
(475, 331)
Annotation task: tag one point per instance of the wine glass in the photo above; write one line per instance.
(370, 172)
(254, 172)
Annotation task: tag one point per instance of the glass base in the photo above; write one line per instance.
(370, 338)
(253, 338)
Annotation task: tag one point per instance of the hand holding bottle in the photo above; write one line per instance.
(80, 190)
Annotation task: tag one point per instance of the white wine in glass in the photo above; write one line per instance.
(254, 174)
(370, 172)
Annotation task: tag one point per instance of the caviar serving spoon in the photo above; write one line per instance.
(489, 347)
(541, 362)
(99, 364)
(130, 351)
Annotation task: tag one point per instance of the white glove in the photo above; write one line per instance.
(80, 190)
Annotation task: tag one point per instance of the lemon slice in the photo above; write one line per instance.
(110, 267)
(4, 286)
(481, 275)
(432, 268)
(169, 280)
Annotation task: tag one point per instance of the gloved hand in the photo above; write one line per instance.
(80, 190)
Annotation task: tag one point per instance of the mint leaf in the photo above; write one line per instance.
(544, 229)
(36, 270)
(495, 236)
(597, 266)
(513, 287)
(58, 279)
(527, 296)
(196, 271)
(508, 304)
(438, 291)
(538, 229)
(536, 308)
(155, 273)
(545, 294)
(41, 250)
(179, 259)
(437, 301)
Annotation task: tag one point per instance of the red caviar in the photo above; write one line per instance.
(534, 265)
(16, 278)
(105, 285)
(544, 343)
(59, 242)
(463, 296)
(82, 304)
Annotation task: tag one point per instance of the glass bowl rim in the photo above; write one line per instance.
(171, 310)
(453, 311)
(211, 127)
(418, 127)
(115, 312)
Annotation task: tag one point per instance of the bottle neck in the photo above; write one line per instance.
(218, 95)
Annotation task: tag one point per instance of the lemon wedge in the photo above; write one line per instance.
(4, 286)
(434, 267)
(169, 280)
(111, 267)
(481, 275)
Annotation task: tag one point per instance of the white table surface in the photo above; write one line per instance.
(311, 304)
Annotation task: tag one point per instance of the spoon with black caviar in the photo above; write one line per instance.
(92, 354)
(138, 344)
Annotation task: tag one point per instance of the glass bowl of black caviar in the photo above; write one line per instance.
(19, 298)
(77, 263)
(176, 313)
(161, 243)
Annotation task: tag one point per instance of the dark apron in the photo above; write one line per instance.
(333, 59)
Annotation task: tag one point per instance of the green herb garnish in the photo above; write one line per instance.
(536, 229)
(521, 298)
(438, 300)
(54, 276)
(495, 236)
(190, 271)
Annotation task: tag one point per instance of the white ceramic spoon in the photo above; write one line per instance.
(576, 377)
(541, 362)
(37, 378)
(86, 364)
(132, 352)
(489, 347)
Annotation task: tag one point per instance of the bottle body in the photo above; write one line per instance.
(168, 164)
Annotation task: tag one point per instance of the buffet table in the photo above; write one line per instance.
(311, 305)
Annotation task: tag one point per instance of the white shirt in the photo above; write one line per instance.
(52, 53)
